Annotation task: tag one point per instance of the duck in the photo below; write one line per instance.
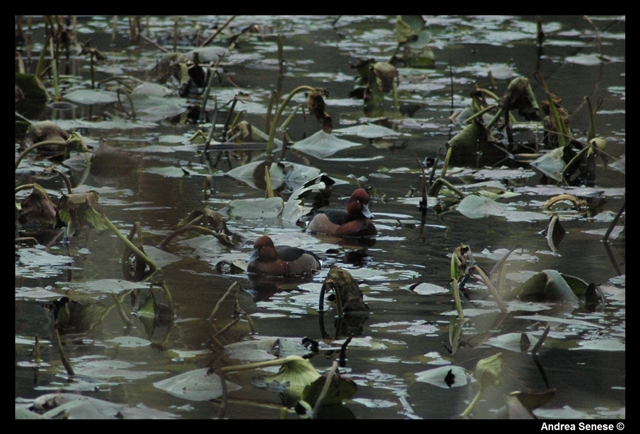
(269, 260)
(355, 221)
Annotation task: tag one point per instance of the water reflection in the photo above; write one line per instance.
(405, 331)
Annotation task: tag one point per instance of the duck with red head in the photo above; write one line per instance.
(269, 260)
(355, 221)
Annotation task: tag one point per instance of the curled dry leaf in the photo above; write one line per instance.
(37, 208)
(385, 74)
(519, 96)
(347, 289)
(316, 105)
(45, 130)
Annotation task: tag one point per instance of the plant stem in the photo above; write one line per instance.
(37, 145)
(327, 383)
(456, 298)
(63, 356)
(272, 130)
(473, 403)
(129, 244)
(256, 365)
(492, 289)
(54, 71)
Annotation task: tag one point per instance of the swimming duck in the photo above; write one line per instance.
(282, 260)
(355, 221)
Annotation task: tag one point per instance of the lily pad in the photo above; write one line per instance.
(76, 406)
(104, 286)
(601, 345)
(37, 263)
(291, 174)
(425, 288)
(551, 319)
(256, 208)
(208, 54)
(585, 60)
(264, 348)
(129, 342)
(195, 385)
(476, 206)
(437, 377)
(551, 164)
(322, 145)
(369, 131)
(90, 97)
(513, 341)
(548, 285)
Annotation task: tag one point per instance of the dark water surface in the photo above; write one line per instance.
(407, 332)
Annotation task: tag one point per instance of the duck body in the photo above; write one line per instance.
(269, 260)
(355, 221)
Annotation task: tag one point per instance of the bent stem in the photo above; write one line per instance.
(456, 298)
(256, 365)
(492, 289)
(73, 140)
(37, 145)
(272, 129)
(130, 245)
(325, 389)
(473, 403)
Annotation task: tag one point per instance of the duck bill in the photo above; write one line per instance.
(367, 212)
(254, 256)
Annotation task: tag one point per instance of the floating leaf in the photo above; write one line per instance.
(424, 288)
(437, 376)
(475, 206)
(148, 88)
(256, 208)
(548, 285)
(601, 345)
(128, 342)
(321, 145)
(265, 349)
(369, 131)
(341, 388)
(291, 174)
(73, 406)
(585, 60)
(207, 54)
(294, 208)
(104, 286)
(513, 342)
(37, 263)
(90, 97)
(195, 385)
(551, 319)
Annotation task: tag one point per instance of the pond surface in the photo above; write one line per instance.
(158, 179)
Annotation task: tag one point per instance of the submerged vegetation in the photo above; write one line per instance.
(187, 138)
